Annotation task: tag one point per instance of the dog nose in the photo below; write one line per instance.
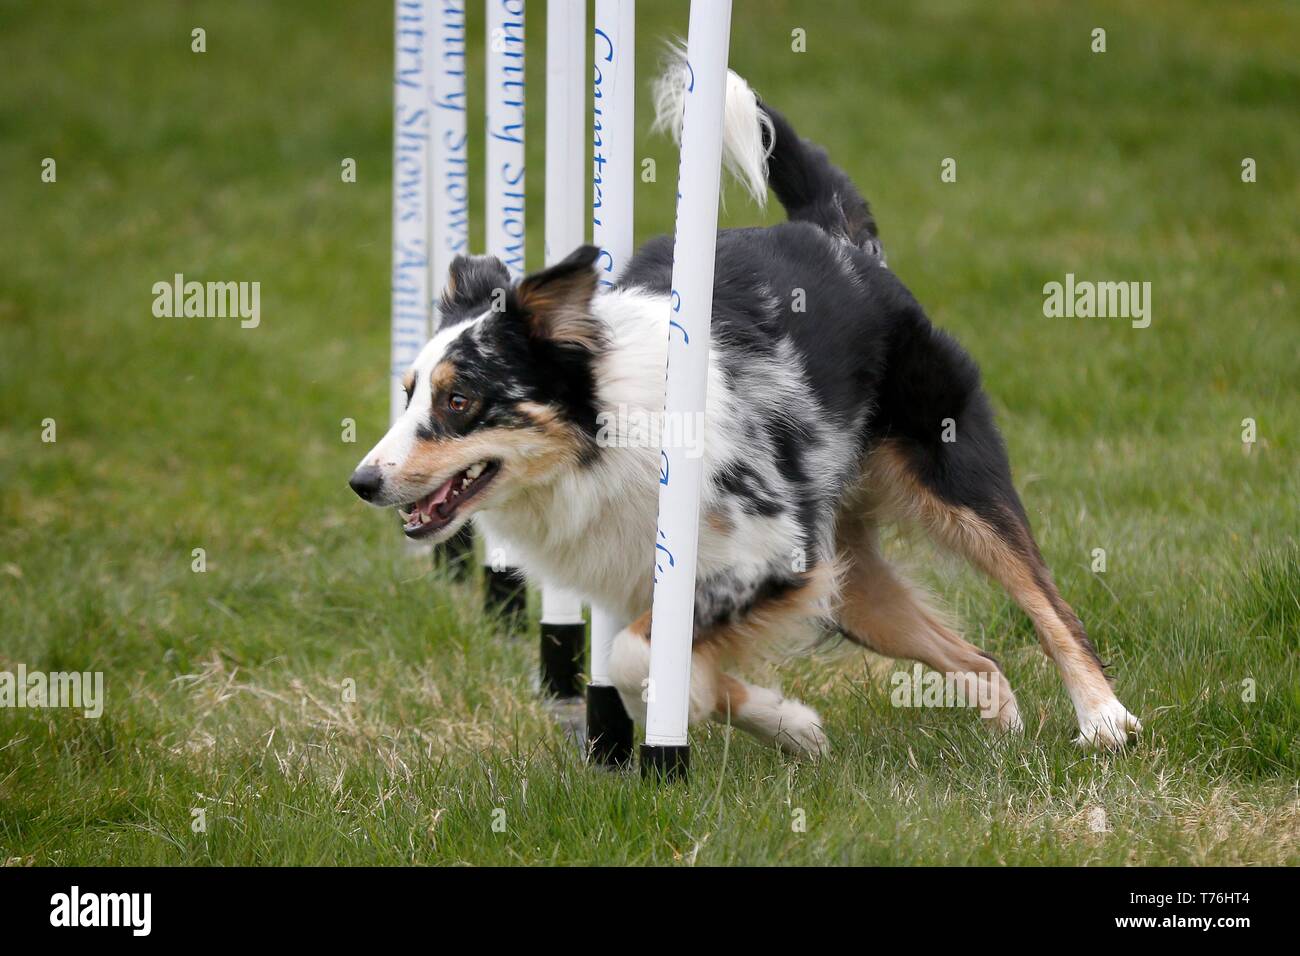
(366, 482)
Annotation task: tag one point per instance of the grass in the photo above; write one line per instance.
(224, 688)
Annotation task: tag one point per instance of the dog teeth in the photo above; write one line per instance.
(417, 516)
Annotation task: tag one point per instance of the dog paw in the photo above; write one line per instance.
(1006, 719)
(1109, 727)
(800, 733)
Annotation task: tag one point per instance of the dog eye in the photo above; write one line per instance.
(457, 402)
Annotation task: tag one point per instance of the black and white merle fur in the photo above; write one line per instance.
(821, 425)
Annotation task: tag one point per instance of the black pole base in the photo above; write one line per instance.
(609, 728)
(563, 647)
(506, 595)
(456, 554)
(665, 763)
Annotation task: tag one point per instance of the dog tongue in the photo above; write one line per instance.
(439, 496)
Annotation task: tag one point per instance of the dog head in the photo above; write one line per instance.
(502, 397)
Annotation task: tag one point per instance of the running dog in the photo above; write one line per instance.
(823, 423)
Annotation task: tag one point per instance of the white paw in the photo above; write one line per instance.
(1107, 727)
(1009, 722)
(799, 731)
(1005, 718)
(634, 703)
(629, 664)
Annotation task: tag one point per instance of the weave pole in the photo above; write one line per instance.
(449, 140)
(410, 277)
(449, 185)
(506, 594)
(666, 751)
(609, 728)
(563, 631)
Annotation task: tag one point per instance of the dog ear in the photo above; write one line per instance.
(557, 301)
(471, 283)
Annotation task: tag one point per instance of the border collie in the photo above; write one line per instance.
(823, 424)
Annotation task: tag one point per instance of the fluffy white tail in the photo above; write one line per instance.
(743, 123)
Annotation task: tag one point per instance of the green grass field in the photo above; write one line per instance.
(224, 687)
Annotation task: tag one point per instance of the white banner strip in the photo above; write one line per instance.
(410, 276)
(566, 120)
(505, 160)
(613, 125)
(566, 179)
(505, 133)
(449, 143)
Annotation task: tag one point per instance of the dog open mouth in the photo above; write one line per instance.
(437, 509)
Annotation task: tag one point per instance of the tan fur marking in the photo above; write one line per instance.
(883, 610)
(574, 327)
(544, 417)
(559, 309)
(641, 626)
(527, 455)
(771, 625)
(442, 377)
(719, 522)
(732, 696)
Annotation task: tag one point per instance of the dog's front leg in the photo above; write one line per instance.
(783, 722)
(629, 668)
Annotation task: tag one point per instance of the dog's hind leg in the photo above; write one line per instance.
(943, 464)
(884, 612)
(961, 493)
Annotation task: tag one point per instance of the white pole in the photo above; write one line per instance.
(505, 207)
(449, 141)
(681, 475)
(564, 634)
(563, 640)
(613, 123)
(605, 626)
(566, 168)
(505, 133)
(448, 182)
(614, 120)
(561, 606)
(410, 277)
